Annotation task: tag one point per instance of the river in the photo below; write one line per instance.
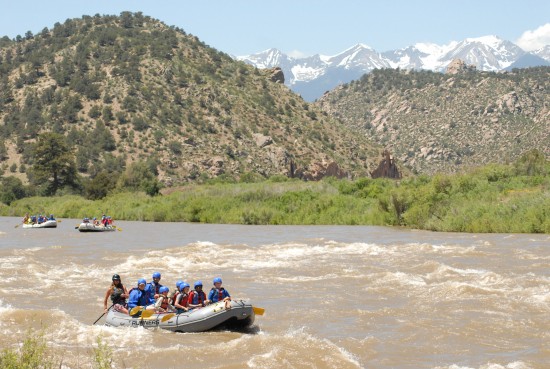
(334, 296)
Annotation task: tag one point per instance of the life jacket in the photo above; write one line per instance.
(174, 297)
(219, 292)
(156, 285)
(165, 302)
(143, 300)
(184, 301)
(116, 296)
(197, 298)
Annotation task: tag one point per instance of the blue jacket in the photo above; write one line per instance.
(153, 289)
(216, 295)
(138, 298)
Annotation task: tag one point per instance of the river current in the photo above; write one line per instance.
(334, 296)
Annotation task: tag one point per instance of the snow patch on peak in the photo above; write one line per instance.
(491, 40)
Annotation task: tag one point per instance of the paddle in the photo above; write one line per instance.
(258, 310)
(167, 317)
(16, 226)
(117, 228)
(103, 314)
(147, 314)
(135, 310)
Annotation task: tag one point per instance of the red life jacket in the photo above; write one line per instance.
(174, 297)
(165, 302)
(184, 301)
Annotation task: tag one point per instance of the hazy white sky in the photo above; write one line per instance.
(307, 27)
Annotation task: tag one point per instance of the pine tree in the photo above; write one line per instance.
(54, 164)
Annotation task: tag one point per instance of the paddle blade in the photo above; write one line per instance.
(167, 317)
(16, 226)
(135, 310)
(258, 310)
(147, 313)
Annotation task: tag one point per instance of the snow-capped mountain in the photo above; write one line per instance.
(543, 52)
(314, 75)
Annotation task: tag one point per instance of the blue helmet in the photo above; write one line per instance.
(178, 283)
(217, 280)
(163, 289)
(156, 275)
(183, 285)
(141, 281)
(197, 283)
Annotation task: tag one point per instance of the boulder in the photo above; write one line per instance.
(458, 66)
(276, 75)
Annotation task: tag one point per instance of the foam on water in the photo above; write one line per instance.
(296, 347)
(513, 365)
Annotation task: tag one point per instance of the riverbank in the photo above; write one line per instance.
(495, 198)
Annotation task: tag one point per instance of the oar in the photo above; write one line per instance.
(117, 228)
(102, 314)
(167, 317)
(147, 313)
(16, 226)
(135, 310)
(258, 310)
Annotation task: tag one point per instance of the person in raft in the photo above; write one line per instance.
(182, 299)
(197, 297)
(139, 296)
(118, 294)
(162, 305)
(218, 293)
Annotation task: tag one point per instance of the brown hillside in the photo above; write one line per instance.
(435, 122)
(129, 88)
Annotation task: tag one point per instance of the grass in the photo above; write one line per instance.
(495, 198)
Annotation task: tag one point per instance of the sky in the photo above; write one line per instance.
(306, 27)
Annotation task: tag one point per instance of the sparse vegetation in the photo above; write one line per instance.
(130, 85)
(35, 353)
(434, 122)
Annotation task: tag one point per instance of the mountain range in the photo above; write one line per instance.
(312, 76)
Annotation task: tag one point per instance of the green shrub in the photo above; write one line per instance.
(33, 354)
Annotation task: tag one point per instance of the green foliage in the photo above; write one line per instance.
(140, 176)
(33, 353)
(12, 189)
(99, 186)
(54, 166)
(469, 202)
(103, 355)
(532, 163)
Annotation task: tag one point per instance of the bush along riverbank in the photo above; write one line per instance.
(36, 352)
(511, 198)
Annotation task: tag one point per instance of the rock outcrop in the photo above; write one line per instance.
(387, 168)
(276, 75)
(458, 66)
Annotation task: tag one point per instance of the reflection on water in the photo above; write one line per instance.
(335, 297)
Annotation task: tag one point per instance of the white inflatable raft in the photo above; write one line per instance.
(240, 315)
(46, 224)
(89, 227)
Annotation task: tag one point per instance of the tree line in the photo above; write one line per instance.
(54, 171)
